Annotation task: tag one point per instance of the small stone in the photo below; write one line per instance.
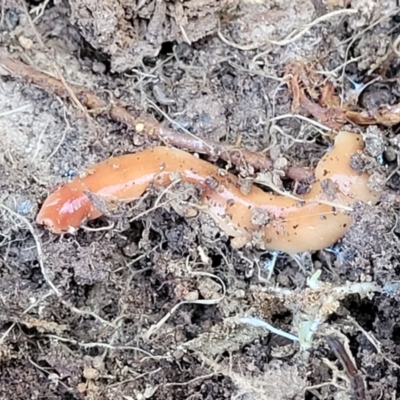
(240, 294)
(98, 67)
(281, 163)
(26, 43)
(90, 373)
(178, 354)
(131, 249)
(251, 367)
(81, 387)
(139, 127)
(390, 154)
(192, 296)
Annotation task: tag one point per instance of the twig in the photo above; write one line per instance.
(143, 125)
(303, 118)
(147, 373)
(102, 345)
(264, 324)
(198, 378)
(89, 313)
(15, 110)
(173, 122)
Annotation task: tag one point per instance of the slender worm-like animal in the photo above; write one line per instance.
(316, 221)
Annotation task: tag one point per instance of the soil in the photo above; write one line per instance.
(153, 305)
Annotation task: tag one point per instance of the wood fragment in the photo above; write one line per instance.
(145, 124)
(326, 108)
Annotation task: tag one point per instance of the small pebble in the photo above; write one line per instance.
(139, 127)
(98, 67)
(26, 43)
